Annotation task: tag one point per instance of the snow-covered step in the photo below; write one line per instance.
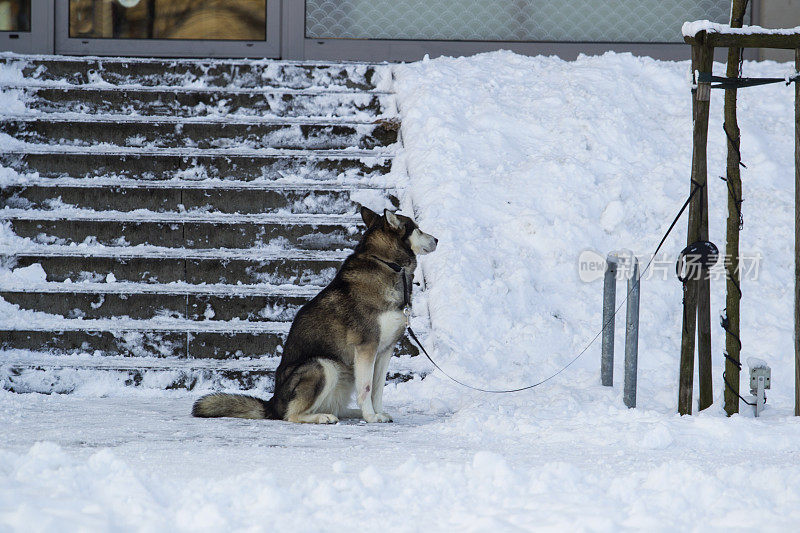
(41, 321)
(147, 264)
(172, 289)
(129, 195)
(178, 217)
(111, 362)
(256, 303)
(158, 269)
(202, 103)
(87, 131)
(91, 88)
(145, 306)
(107, 149)
(66, 116)
(155, 252)
(210, 339)
(295, 186)
(191, 229)
(201, 73)
(214, 339)
(203, 302)
(52, 375)
(168, 164)
(24, 372)
(144, 301)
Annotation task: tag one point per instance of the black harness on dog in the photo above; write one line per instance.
(406, 285)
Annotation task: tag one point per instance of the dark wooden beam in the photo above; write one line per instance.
(755, 40)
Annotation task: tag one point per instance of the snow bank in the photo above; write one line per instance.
(518, 164)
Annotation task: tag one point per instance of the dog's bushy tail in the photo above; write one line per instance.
(233, 405)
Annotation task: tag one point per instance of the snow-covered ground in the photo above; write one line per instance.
(517, 165)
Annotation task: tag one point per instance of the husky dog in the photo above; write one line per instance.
(341, 341)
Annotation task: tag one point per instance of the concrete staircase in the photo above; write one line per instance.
(161, 221)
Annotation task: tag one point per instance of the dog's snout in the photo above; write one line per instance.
(422, 243)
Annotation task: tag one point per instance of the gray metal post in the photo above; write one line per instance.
(609, 304)
(760, 380)
(761, 399)
(632, 336)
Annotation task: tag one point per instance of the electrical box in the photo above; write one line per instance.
(758, 368)
(760, 378)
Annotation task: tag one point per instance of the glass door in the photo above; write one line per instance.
(168, 28)
(26, 27)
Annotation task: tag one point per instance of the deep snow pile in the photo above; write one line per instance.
(517, 165)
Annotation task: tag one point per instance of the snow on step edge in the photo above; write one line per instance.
(173, 89)
(177, 288)
(160, 252)
(178, 218)
(208, 183)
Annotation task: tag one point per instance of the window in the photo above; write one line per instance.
(623, 21)
(15, 15)
(227, 20)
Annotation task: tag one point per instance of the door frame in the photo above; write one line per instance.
(37, 41)
(197, 48)
(286, 40)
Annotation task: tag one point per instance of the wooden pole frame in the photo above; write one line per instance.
(694, 305)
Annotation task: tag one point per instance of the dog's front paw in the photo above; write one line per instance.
(378, 417)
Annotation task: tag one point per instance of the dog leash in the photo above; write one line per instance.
(407, 309)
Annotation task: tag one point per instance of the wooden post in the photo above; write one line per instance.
(797, 236)
(733, 279)
(702, 59)
(704, 376)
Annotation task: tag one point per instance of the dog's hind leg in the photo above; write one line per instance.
(315, 382)
(339, 397)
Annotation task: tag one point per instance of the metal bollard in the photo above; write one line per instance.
(632, 336)
(613, 261)
(609, 303)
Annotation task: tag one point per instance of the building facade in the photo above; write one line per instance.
(370, 30)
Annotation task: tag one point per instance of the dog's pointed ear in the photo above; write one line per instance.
(369, 216)
(392, 219)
